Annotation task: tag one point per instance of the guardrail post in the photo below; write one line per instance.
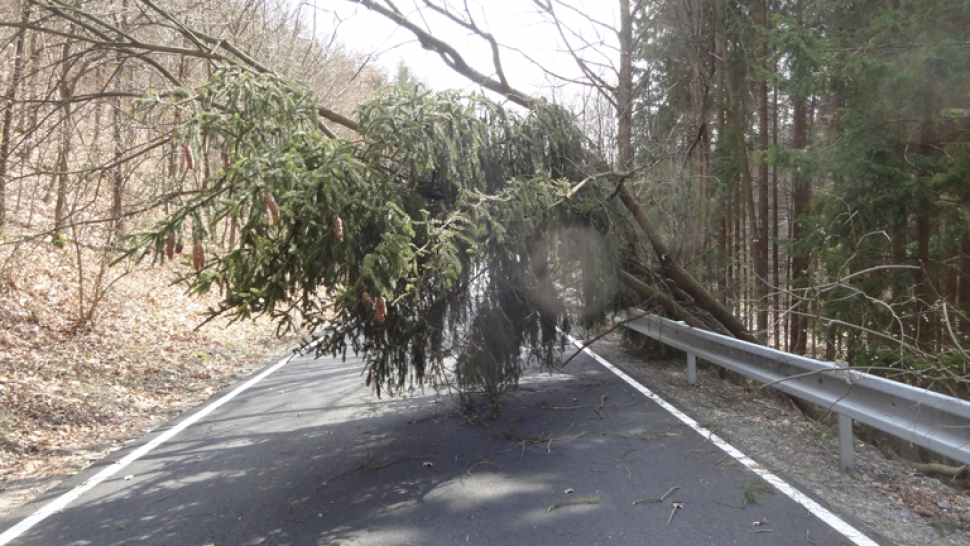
(691, 369)
(846, 445)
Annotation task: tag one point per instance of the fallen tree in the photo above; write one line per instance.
(444, 227)
(451, 228)
(463, 217)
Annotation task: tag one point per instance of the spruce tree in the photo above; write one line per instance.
(444, 243)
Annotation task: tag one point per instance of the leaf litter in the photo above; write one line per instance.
(69, 395)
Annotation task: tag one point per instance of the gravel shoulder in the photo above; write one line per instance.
(886, 497)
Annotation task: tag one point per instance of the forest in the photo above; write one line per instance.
(792, 173)
(820, 151)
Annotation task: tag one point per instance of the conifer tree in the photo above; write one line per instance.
(450, 232)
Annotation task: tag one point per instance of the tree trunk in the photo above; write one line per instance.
(624, 91)
(775, 269)
(701, 296)
(699, 96)
(8, 112)
(801, 195)
(663, 299)
(761, 248)
(965, 285)
(118, 178)
(735, 118)
(926, 326)
(64, 90)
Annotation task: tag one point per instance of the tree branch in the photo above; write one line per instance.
(471, 26)
(450, 55)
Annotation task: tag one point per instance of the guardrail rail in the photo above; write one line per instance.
(935, 421)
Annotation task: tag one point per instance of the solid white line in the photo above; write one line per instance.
(59, 503)
(817, 510)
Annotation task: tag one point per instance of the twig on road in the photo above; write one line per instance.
(676, 506)
(567, 502)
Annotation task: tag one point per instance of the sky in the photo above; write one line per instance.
(530, 41)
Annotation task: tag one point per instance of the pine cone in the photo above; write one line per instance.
(367, 383)
(381, 309)
(170, 246)
(274, 211)
(198, 256)
(338, 229)
(365, 297)
(189, 157)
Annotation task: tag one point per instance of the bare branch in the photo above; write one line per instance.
(471, 26)
(449, 55)
(604, 88)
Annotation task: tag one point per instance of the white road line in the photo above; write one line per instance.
(817, 510)
(61, 502)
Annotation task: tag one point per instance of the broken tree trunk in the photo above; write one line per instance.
(663, 299)
(702, 297)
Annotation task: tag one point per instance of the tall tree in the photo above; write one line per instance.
(9, 102)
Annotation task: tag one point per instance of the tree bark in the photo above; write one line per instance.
(776, 275)
(684, 280)
(926, 327)
(64, 90)
(761, 258)
(118, 176)
(801, 195)
(10, 99)
(965, 285)
(624, 91)
(663, 299)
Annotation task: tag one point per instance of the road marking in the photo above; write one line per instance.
(61, 502)
(817, 510)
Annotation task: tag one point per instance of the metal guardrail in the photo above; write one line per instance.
(935, 421)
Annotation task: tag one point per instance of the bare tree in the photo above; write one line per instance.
(70, 121)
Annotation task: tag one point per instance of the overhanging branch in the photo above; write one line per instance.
(450, 55)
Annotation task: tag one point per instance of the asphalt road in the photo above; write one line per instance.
(309, 456)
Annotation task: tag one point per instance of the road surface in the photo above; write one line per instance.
(308, 456)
